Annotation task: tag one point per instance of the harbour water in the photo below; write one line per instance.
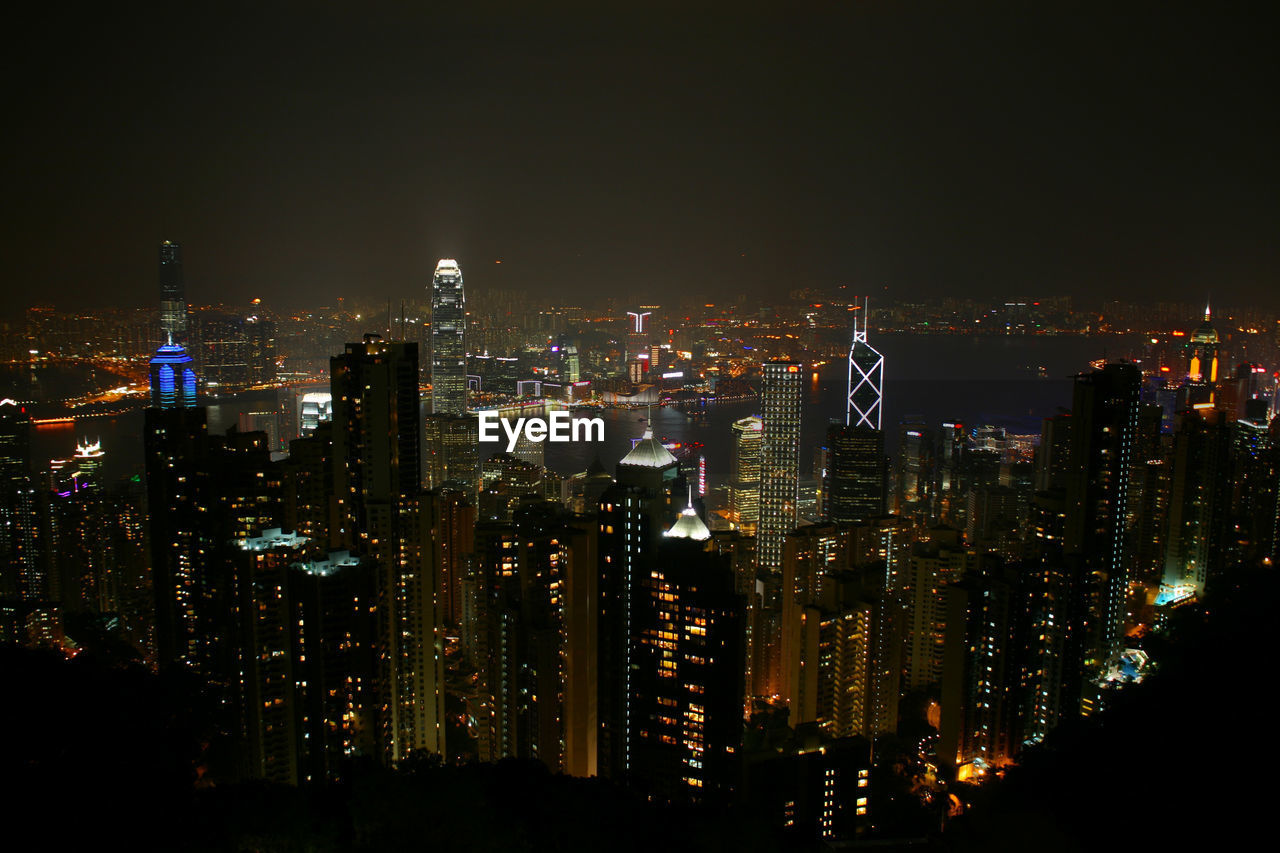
(929, 378)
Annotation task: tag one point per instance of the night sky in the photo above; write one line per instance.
(300, 152)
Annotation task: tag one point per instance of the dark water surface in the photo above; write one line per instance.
(931, 378)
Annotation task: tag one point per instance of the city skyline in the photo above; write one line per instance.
(860, 426)
(798, 632)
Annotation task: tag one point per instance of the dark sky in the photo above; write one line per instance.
(305, 151)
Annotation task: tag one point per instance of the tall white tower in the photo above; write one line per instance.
(866, 377)
(448, 340)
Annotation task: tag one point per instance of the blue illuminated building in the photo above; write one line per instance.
(173, 379)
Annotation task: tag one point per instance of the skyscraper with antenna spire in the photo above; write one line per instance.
(854, 482)
(864, 406)
(448, 340)
(173, 299)
(1204, 350)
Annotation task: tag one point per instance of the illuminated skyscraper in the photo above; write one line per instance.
(176, 444)
(335, 664)
(450, 444)
(22, 574)
(89, 457)
(866, 378)
(1255, 497)
(173, 299)
(1104, 426)
(1203, 365)
(633, 514)
(306, 658)
(1199, 494)
(314, 409)
(1055, 624)
(744, 485)
(983, 688)
(686, 687)
(384, 514)
(827, 635)
(637, 334)
(536, 584)
(268, 683)
(82, 518)
(779, 459)
(779, 511)
(1202, 376)
(173, 378)
(935, 563)
(448, 340)
(177, 448)
(855, 483)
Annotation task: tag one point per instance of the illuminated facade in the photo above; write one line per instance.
(1055, 622)
(176, 445)
(314, 409)
(1202, 366)
(450, 455)
(637, 335)
(1255, 488)
(334, 661)
(173, 299)
(22, 573)
(1199, 496)
(383, 514)
(686, 692)
(504, 482)
(632, 515)
(235, 352)
(173, 378)
(744, 483)
(934, 564)
(813, 790)
(828, 635)
(779, 459)
(82, 533)
(982, 684)
(306, 658)
(1104, 433)
(855, 483)
(453, 522)
(448, 340)
(865, 397)
(89, 457)
(268, 682)
(536, 640)
(1200, 383)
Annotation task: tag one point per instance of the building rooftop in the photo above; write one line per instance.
(649, 453)
(171, 353)
(689, 526)
(324, 568)
(272, 537)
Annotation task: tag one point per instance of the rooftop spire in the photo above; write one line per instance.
(689, 525)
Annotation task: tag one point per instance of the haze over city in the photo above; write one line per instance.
(301, 153)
